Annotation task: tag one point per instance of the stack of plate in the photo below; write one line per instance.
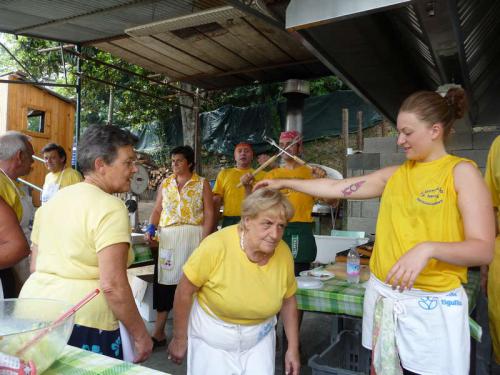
(318, 273)
(308, 282)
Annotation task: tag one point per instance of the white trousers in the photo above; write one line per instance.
(218, 347)
(431, 329)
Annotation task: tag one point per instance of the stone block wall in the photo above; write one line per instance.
(381, 152)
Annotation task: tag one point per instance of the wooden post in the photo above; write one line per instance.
(188, 120)
(110, 106)
(345, 136)
(359, 137)
(197, 132)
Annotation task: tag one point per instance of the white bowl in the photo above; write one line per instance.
(329, 246)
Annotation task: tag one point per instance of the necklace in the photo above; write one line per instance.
(242, 240)
(250, 256)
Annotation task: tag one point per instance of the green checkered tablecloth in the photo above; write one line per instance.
(74, 361)
(340, 297)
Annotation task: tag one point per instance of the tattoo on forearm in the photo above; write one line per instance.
(352, 188)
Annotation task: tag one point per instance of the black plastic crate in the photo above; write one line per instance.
(345, 356)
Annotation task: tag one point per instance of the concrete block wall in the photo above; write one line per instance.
(381, 152)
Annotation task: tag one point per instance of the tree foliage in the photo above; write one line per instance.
(130, 109)
(267, 93)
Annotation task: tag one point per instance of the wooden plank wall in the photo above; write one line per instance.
(3, 107)
(236, 51)
(59, 124)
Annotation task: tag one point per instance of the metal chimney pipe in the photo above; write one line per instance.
(295, 91)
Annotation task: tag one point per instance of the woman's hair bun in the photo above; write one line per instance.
(457, 100)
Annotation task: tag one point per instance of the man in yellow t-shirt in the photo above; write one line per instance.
(226, 190)
(59, 176)
(263, 157)
(299, 231)
(16, 159)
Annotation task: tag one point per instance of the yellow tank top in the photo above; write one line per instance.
(184, 207)
(419, 204)
(492, 176)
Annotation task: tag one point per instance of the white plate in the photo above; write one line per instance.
(308, 282)
(318, 273)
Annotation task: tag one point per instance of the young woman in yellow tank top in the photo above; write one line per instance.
(435, 220)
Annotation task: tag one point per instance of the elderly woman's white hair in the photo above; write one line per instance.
(11, 142)
(265, 199)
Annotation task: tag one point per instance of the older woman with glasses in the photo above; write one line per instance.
(82, 241)
(242, 277)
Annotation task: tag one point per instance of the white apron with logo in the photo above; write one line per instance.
(430, 330)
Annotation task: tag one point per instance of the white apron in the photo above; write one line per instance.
(127, 344)
(22, 268)
(28, 211)
(430, 330)
(218, 347)
(26, 223)
(51, 188)
(177, 242)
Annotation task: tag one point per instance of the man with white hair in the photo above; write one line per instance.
(16, 159)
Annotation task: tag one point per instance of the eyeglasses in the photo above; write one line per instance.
(130, 163)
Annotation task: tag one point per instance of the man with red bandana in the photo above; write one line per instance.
(233, 184)
(299, 231)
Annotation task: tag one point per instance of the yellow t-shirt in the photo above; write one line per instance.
(492, 178)
(70, 229)
(10, 195)
(66, 177)
(232, 196)
(302, 203)
(184, 207)
(420, 204)
(232, 287)
(492, 174)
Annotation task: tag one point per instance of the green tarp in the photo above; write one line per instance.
(226, 126)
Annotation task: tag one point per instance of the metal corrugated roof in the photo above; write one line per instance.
(188, 40)
(412, 46)
(81, 22)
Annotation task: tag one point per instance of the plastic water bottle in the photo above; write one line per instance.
(353, 266)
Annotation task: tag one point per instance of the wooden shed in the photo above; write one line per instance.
(40, 113)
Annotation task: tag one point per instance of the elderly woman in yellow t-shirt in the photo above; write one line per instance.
(184, 215)
(242, 276)
(82, 242)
